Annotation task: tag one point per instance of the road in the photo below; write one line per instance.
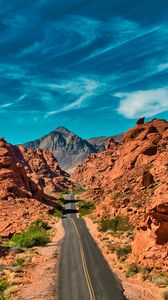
(83, 272)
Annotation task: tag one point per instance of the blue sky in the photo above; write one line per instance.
(91, 66)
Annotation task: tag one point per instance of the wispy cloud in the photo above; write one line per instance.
(6, 105)
(163, 67)
(120, 32)
(72, 34)
(143, 103)
(12, 71)
(82, 87)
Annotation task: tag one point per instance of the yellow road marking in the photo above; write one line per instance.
(90, 287)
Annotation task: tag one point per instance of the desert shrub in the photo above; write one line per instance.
(161, 279)
(61, 201)
(123, 252)
(59, 210)
(85, 207)
(132, 270)
(146, 273)
(3, 286)
(138, 204)
(64, 192)
(118, 223)
(8, 293)
(78, 191)
(30, 238)
(117, 195)
(35, 235)
(19, 262)
(17, 250)
(39, 225)
(58, 213)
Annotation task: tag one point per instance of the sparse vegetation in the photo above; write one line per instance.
(85, 207)
(64, 192)
(39, 225)
(123, 252)
(138, 204)
(161, 279)
(30, 239)
(146, 273)
(3, 286)
(19, 262)
(132, 270)
(61, 201)
(78, 191)
(117, 224)
(116, 196)
(59, 210)
(8, 293)
(35, 235)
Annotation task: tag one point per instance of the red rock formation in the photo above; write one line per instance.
(133, 180)
(140, 121)
(29, 180)
(43, 169)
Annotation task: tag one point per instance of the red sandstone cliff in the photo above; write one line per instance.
(29, 181)
(132, 180)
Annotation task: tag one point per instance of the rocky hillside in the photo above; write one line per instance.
(69, 149)
(101, 142)
(29, 181)
(131, 180)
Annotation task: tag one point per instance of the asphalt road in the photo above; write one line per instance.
(83, 272)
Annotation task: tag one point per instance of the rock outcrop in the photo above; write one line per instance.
(43, 169)
(131, 179)
(29, 181)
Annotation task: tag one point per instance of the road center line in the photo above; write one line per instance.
(88, 280)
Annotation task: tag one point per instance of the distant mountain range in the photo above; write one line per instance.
(68, 148)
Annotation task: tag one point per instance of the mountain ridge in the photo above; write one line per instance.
(68, 148)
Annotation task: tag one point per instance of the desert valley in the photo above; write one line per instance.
(120, 186)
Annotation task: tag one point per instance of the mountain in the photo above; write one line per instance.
(131, 180)
(101, 142)
(68, 148)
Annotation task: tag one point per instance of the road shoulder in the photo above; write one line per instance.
(42, 273)
(133, 288)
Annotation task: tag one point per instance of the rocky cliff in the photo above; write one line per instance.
(29, 181)
(69, 149)
(131, 179)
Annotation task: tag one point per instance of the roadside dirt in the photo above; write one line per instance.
(134, 287)
(41, 274)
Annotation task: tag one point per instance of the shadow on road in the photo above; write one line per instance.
(70, 201)
(69, 211)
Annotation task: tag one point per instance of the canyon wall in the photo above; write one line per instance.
(29, 183)
(131, 179)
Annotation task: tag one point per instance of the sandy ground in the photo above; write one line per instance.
(41, 274)
(134, 287)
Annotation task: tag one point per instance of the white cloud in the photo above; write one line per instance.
(163, 67)
(6, 105)
(82, 88)
(143, 103)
